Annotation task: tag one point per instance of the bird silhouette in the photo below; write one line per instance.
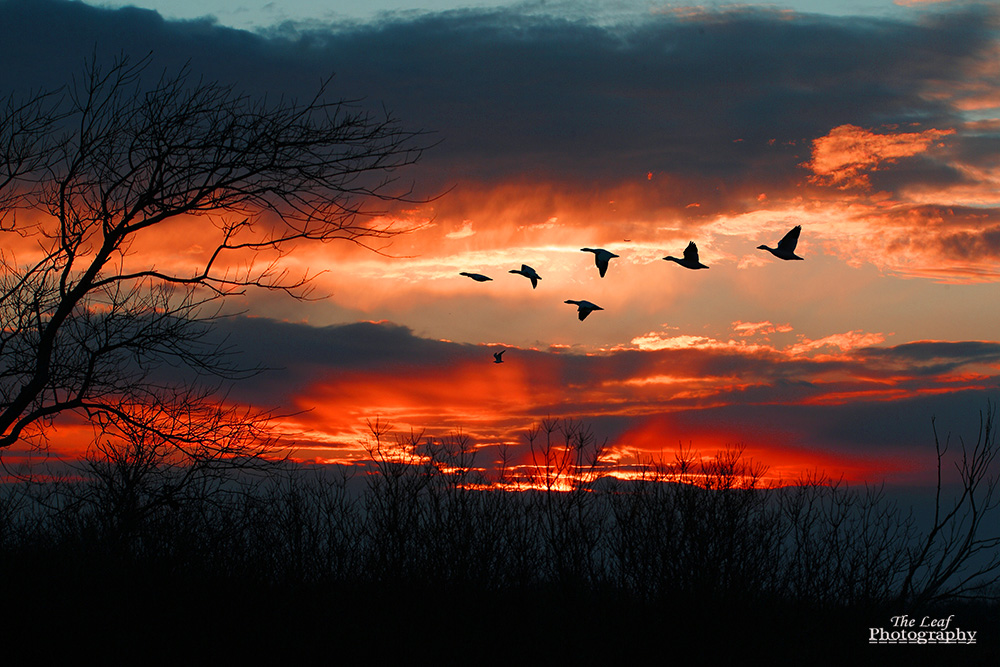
(478, 277)
(786, 246)
(584, 308)
(497, 357)
(528, 273)
(601, 258)
(690, 260)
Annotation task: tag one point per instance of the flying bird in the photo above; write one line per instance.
(478, 277)
(601, 258)
(528, 273)
(584, 308)
(690, 260)
(498, 357)
(786, 246)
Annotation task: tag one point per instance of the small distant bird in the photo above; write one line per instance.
(478, 277)
(528, 273)
(786, 246)
(498, 357)
(601, 258)
(584, 308)
(690, 260)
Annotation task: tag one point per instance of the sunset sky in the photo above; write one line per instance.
(558, 126)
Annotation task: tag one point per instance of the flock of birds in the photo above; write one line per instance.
(784, 250)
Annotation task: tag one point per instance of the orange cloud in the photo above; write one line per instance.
(845, 155)
(849, 340)
(759, 328)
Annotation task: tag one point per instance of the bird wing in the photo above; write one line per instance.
(691, 253)
(583, 313)
(789, 241)
(602, 264)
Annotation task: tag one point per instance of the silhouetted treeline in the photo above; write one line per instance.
(423, 546)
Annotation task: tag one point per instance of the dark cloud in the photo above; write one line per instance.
(360, 345)
(388, 347)
(903, 427)
(705, 97)
(296, 354)
(935, 357)
(727, 102)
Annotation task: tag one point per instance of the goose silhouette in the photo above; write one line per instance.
(690, 260)
(786, 246)
(601, 258)
(498, 357)
(584, 308)
(478, 277)
(528, 273)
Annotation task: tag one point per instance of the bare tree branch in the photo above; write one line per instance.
(112, 161)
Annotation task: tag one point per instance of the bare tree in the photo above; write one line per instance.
(25, 124)
(92, 171)
(959, 557)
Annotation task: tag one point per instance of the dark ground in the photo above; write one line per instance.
(126, 616)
